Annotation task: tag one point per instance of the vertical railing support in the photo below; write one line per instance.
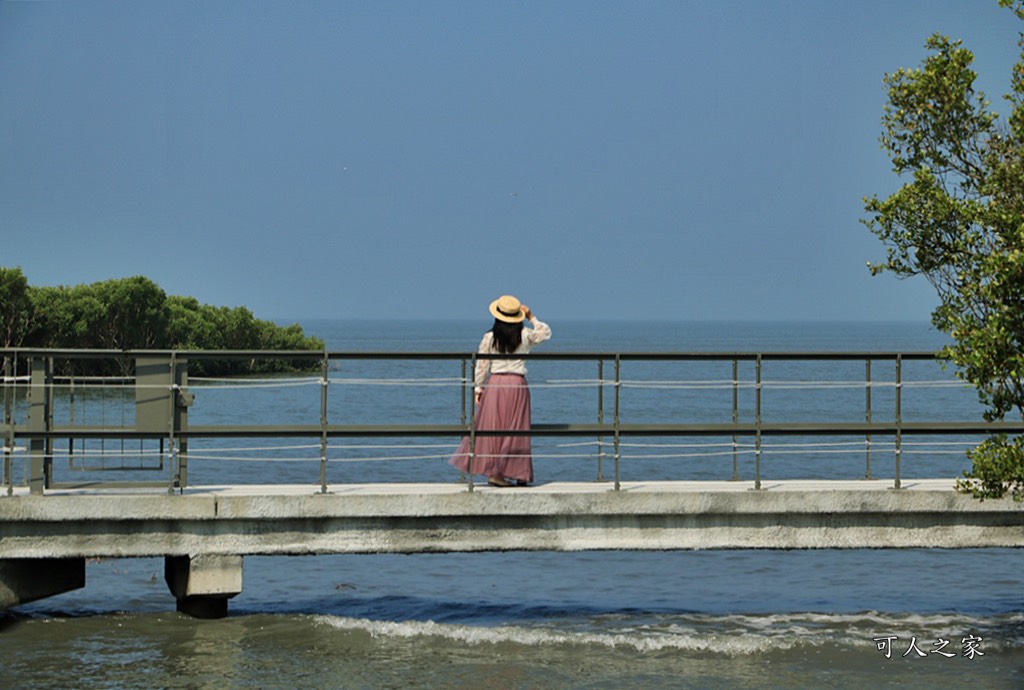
(324, 384)
(175, 467)
(735, 418)
(49, 424)
(472, 426)
(867, 418)
(8, 441)
(181, 399)
(899, 418)
(71, 409)
(600, 419)
(10, 371)
(618, 388)
(8, 380)
(39, 416)
(463, 415)
(757, 427)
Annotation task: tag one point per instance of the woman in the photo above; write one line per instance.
(504, 402)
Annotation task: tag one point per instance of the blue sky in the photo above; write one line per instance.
(602, 160)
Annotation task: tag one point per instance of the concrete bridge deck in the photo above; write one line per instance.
(205, 533)
(436, 517)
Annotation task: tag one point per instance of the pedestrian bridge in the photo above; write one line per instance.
(50, 526)
(204, 533)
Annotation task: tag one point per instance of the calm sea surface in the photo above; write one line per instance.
(713, 619)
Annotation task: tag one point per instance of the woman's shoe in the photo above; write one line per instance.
(520, 482)
(498, 481)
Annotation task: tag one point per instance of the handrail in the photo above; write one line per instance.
(624, 429)
(317, 355)
(42, 433)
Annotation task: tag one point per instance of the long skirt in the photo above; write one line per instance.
(504, 405)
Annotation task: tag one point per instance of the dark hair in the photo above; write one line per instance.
(507, 336)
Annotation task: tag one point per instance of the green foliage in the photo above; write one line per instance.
(15, 307)
(135, 314)
(189, 326)
(195, 326)
(64, 317)
(1016, 5)
(997, 467)
(959, 222)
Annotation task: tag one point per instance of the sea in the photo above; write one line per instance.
(743, 618)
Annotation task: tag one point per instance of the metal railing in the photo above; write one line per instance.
(159, 380)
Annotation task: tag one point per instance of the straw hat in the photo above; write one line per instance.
(507, 308)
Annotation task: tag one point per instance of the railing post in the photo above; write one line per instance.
(8, 423)
(867, 418)
(472, 426)
(38, 420)
(899, 417)
(463, 416)
(735, 418)
(600, 419)
(618, 388)
(71, 409)
(182, 402)
(8, 441)
(757, 427)
(172, 448)
(48, 464)
(324, 384)
(8, 379)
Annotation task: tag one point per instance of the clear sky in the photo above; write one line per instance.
(601, 160)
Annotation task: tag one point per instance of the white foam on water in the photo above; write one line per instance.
(639, 639)
(731, 635)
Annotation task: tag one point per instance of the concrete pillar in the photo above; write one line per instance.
(27, 579)
(203, 584)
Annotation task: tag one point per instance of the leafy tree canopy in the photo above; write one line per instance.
(958, 220)
(15, 307)
(135, 313)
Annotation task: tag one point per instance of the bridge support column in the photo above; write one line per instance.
(203, 584)
(27, 579)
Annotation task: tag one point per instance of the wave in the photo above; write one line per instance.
(536, 637)
(729, 635)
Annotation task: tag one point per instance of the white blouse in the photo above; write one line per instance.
(531, 338)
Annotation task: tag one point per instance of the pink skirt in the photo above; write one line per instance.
(504, 405)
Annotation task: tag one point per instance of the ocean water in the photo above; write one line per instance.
(601, 619)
